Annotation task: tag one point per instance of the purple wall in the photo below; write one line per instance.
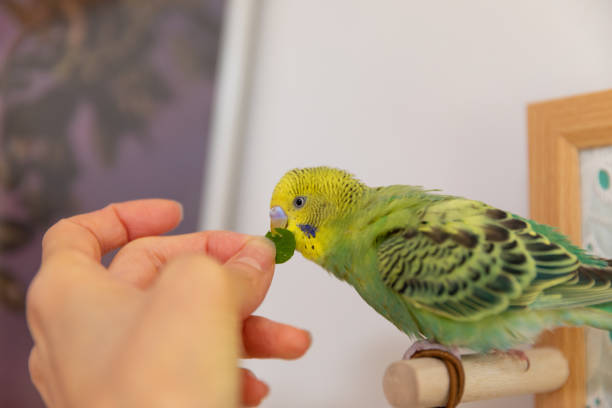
(127, 118)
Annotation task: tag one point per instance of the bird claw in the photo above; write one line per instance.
(427, 345)
(518, 354)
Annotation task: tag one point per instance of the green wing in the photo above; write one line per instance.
(466, 260)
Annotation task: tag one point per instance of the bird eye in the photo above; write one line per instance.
(298, 202)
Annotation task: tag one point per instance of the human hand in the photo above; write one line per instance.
(163, 325)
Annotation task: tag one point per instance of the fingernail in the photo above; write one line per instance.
(249, 373)
(258, 252)
(309, 334)
(263, 387)
(266, 390)
(182, 211)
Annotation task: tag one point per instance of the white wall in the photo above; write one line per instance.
(414, 92)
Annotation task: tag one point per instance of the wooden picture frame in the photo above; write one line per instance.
(558, 131)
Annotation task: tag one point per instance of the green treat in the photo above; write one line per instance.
(285, 244)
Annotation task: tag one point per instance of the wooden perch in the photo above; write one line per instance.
(423, 382)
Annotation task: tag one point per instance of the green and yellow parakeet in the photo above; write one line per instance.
(455, 271)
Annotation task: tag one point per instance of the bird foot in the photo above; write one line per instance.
(518, 354)
(427, 345)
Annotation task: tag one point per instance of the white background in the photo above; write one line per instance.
(413, 92)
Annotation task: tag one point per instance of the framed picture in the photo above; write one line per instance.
(570, 179)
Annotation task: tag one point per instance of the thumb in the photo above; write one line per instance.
(189, 328)
(253, 264)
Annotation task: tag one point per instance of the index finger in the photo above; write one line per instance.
(98, 232)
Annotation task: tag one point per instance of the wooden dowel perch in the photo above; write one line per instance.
(424, 382)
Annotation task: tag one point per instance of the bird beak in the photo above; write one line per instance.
(278, 218)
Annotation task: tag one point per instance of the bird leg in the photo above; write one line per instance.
(428, 345)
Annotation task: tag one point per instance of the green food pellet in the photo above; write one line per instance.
(285, 244)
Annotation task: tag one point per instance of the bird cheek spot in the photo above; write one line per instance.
(309, 230)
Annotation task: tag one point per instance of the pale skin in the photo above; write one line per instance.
(164, 325)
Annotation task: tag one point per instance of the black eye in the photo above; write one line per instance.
(298, 202)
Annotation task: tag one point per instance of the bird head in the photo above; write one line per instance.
(308, 201)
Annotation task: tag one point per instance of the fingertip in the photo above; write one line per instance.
(97, 232)
(265, 338)
(150, 216)
(306, 341)
(253, 389)
(258, 252)
(181, 211)
(253, 265)
(298, 342)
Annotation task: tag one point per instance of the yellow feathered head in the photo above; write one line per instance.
(307, 201)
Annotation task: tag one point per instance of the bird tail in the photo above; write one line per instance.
(607, 309)
(601, 278)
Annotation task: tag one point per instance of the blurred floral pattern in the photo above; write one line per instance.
(596, 174)
(100, 101)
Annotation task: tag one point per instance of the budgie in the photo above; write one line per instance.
(453, 271)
